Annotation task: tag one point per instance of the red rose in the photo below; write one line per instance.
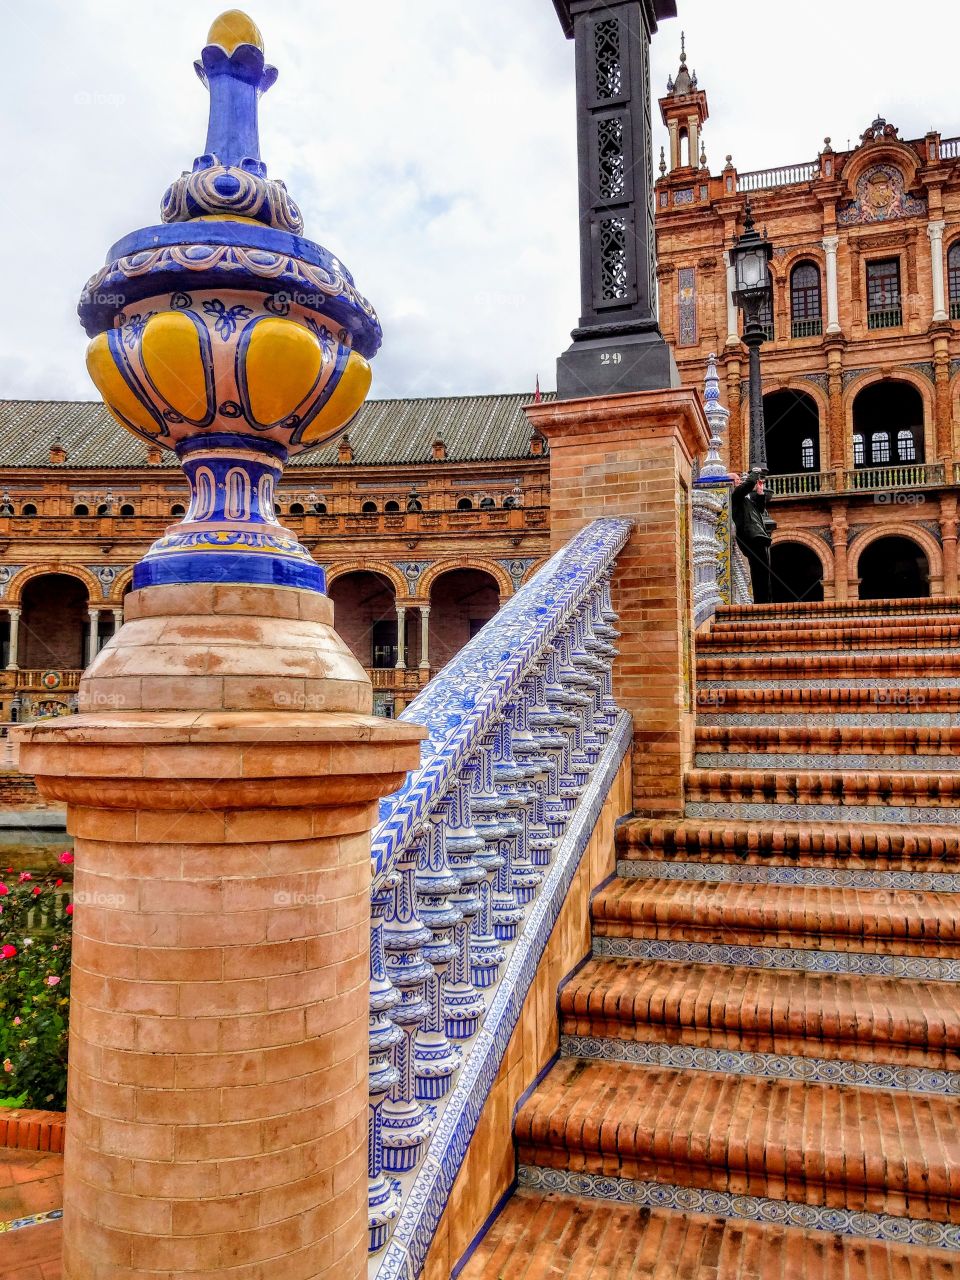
(8, 951)
(69, 908)
(3, 890)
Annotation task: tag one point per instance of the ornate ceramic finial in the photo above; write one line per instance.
(717, 415)
(683, 48)
(703, 154)
(663, 162)
(228, 339)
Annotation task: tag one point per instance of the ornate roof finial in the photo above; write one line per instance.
(683, 48)
(663, 162)
(703, 153)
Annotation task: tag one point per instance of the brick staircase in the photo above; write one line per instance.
(760, 1062)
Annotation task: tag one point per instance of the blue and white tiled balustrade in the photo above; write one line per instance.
(472, 859)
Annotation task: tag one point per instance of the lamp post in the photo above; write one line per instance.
(751, 255)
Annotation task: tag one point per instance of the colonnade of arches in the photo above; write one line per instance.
(886, 423)
(882, 563)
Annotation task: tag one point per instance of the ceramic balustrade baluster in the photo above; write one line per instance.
(604, 640)
(595, 651)
(435, 1059)
(564, 703)
(543, 720)
(463, 1004)
(514, 782)
(590, 670)
(504, 815)
(528, 753)
(384, 1193)
(405, 1122)
(486, 951)
(577, 702)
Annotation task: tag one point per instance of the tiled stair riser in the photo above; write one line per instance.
(864, 762)
(838, 877)
(868, 813)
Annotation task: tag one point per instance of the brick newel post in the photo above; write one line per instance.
(221, 784)
(630, 455)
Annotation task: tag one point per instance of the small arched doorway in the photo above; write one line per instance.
(365, 616)
(791, 422)
(461, 602)
(796, 572)
(888, 425)
(54, 623)
(893, 568)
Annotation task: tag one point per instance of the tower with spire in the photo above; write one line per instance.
(683, 110)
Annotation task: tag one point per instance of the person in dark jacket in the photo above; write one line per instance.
(749, 502)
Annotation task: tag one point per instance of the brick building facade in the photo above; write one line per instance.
(426, 517)
(861, 370)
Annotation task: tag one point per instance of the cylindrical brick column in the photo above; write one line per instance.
(217, 1108)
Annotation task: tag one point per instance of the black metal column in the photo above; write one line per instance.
(617, 346)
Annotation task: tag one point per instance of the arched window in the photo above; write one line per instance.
(487, 504)
(880, 447)
(369, 508)
(178, 509)
(296, 508)
(103, 509)
(81, 509)
(29, 509)
(465, 504)
(808, 457)
(393, 507)
(320, 508)
(906, 446)
(953, 279)
(805, 319)
(127, 509)
(766, 318)
(858, 455)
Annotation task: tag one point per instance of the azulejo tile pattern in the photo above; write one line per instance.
(929, 815)
(775, 1066)
(848, 761)
(936, 968)
(748, 873)
(472, 861)
(34, 1220)
(663, 1195)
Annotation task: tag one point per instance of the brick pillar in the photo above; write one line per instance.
(838, 532)
(221, 782)
(735, 442)
(948, 534)
(630, 455)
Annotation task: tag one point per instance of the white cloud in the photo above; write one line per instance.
(430, 143)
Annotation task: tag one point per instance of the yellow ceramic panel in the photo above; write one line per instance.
(343, 404)
(234, 28)
(283, 363)
(171, 354)
(117, 396)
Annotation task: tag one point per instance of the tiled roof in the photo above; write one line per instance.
(473, 428)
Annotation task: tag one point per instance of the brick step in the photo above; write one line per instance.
(823, 700)
(857, 846)
(900, 1022)
(827, 609)
(882, 664)
(827, 739)
(881, 634)
(850, 1148)
(786, 786)
(871, 921)
(563, 1237)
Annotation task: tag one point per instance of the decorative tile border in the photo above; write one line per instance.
(35, 1220)
(935, 968)
(858, 719)
(930, 815)
(458, 709)
(427, 1197)
(865, 762)
(820, 877)
(907, 680)
(773, 1066)
(787, 1213)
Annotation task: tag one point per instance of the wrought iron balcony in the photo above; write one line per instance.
(887, 318)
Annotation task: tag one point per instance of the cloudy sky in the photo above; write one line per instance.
(430, 144)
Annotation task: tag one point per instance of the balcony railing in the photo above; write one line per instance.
(472, 859)
(27, 678)
(401, 680)
(759, 179)
(800, 483)
(955, 310)
(888, 318)
(907, 475)
(806, 328)
(949, 148)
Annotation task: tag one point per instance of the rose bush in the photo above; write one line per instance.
(34, 988)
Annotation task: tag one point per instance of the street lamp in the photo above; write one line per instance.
(751, 255)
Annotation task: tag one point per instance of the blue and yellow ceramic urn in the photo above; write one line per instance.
(226, 336)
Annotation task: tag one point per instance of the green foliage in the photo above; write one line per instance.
(34, 989)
